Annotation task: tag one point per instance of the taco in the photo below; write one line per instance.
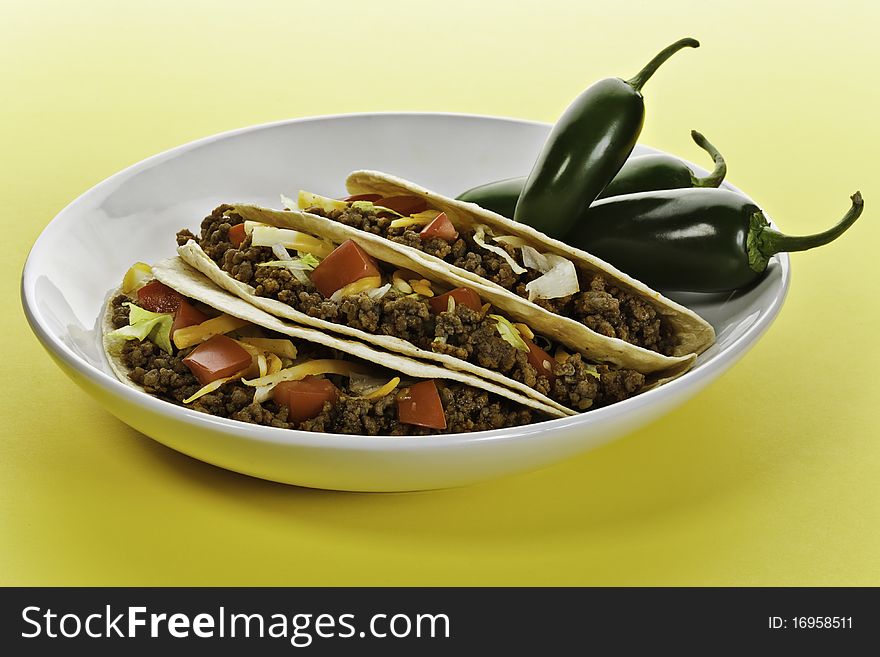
(370, 290)
(585, 295)
(171, 333)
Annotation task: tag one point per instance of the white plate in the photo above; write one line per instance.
(135, 214)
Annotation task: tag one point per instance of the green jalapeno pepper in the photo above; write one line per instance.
(693, 240)
(586, 149)
(642, 173)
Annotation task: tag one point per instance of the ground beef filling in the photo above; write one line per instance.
(466, 408)
(600, 306)
(118, 311)
(461, 333)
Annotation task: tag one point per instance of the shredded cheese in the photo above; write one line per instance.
(399, 283)
(136, 276)
(422, 287)
(307, 200)
(382, 391)
(525, 330)
(275, 364)
(190, 335)
(356, 287)
(420, 219)
(509, 333)
(277, 346)
(511, 240)
(211, 387)
(262, 235)
(311, 368)
(250, 225)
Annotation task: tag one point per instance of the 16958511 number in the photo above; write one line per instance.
(810, 623)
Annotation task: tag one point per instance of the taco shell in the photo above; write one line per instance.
(177, 275)
(694, 334)
(568, 332)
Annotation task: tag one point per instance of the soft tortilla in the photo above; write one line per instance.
(177, 275)
(695, 334)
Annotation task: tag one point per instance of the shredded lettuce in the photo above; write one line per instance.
(369, 206)
(533, 259)
(263, 394)
(146, 325)
(480, 239)
(281, 252)
(309, 260)
(509, 333)
(379, 292)
(288, 203)
(559, 276)
(297, 266)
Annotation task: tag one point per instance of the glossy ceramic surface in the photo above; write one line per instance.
(134, 215)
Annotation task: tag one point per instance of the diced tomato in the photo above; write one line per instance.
(440, 227)
(420, 405)
(372, 198)
(216, 358)
(305, 398)
(187, 315)
(237, 235)
(346, 264)
(158, 298)
(540, 359)
(405, 205)
(463, 295)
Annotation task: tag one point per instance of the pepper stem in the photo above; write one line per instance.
(715, 178)
(642, 76)
(763, 241)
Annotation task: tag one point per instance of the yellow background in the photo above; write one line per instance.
(768, 477)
